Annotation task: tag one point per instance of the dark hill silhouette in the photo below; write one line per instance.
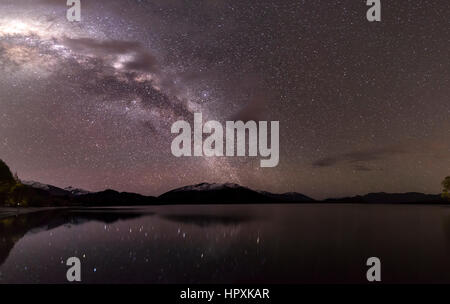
(392, 198)
(288, 197)
(113, 198)
(15, 193)
(34, 194)
(205, 193)
(52, 190)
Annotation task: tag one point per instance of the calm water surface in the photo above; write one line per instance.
(228, 244)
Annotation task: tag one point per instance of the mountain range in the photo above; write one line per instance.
(30, 193)
(213, 193)
(203, 193)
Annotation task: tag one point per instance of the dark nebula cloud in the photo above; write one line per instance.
(359, 156)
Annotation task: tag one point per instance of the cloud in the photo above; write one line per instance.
(101, 47)
(254, 110)
(362, 168)
(326, 162)
(358, 156)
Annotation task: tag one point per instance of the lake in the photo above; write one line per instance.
(306, 243)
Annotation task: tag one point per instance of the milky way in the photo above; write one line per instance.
(362, 106)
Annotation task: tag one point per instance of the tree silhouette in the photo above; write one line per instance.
(446, 188)
(12, 191)
(5, 174)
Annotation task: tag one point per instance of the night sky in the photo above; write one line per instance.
(363, 107)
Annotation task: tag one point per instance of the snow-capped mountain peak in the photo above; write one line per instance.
(76, 191)
(209, 187)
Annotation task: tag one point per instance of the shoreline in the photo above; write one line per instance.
(6, 212)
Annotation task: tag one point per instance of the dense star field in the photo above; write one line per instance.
(363, 106)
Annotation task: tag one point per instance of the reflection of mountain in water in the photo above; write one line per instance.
(13, 228)
(204, 220)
